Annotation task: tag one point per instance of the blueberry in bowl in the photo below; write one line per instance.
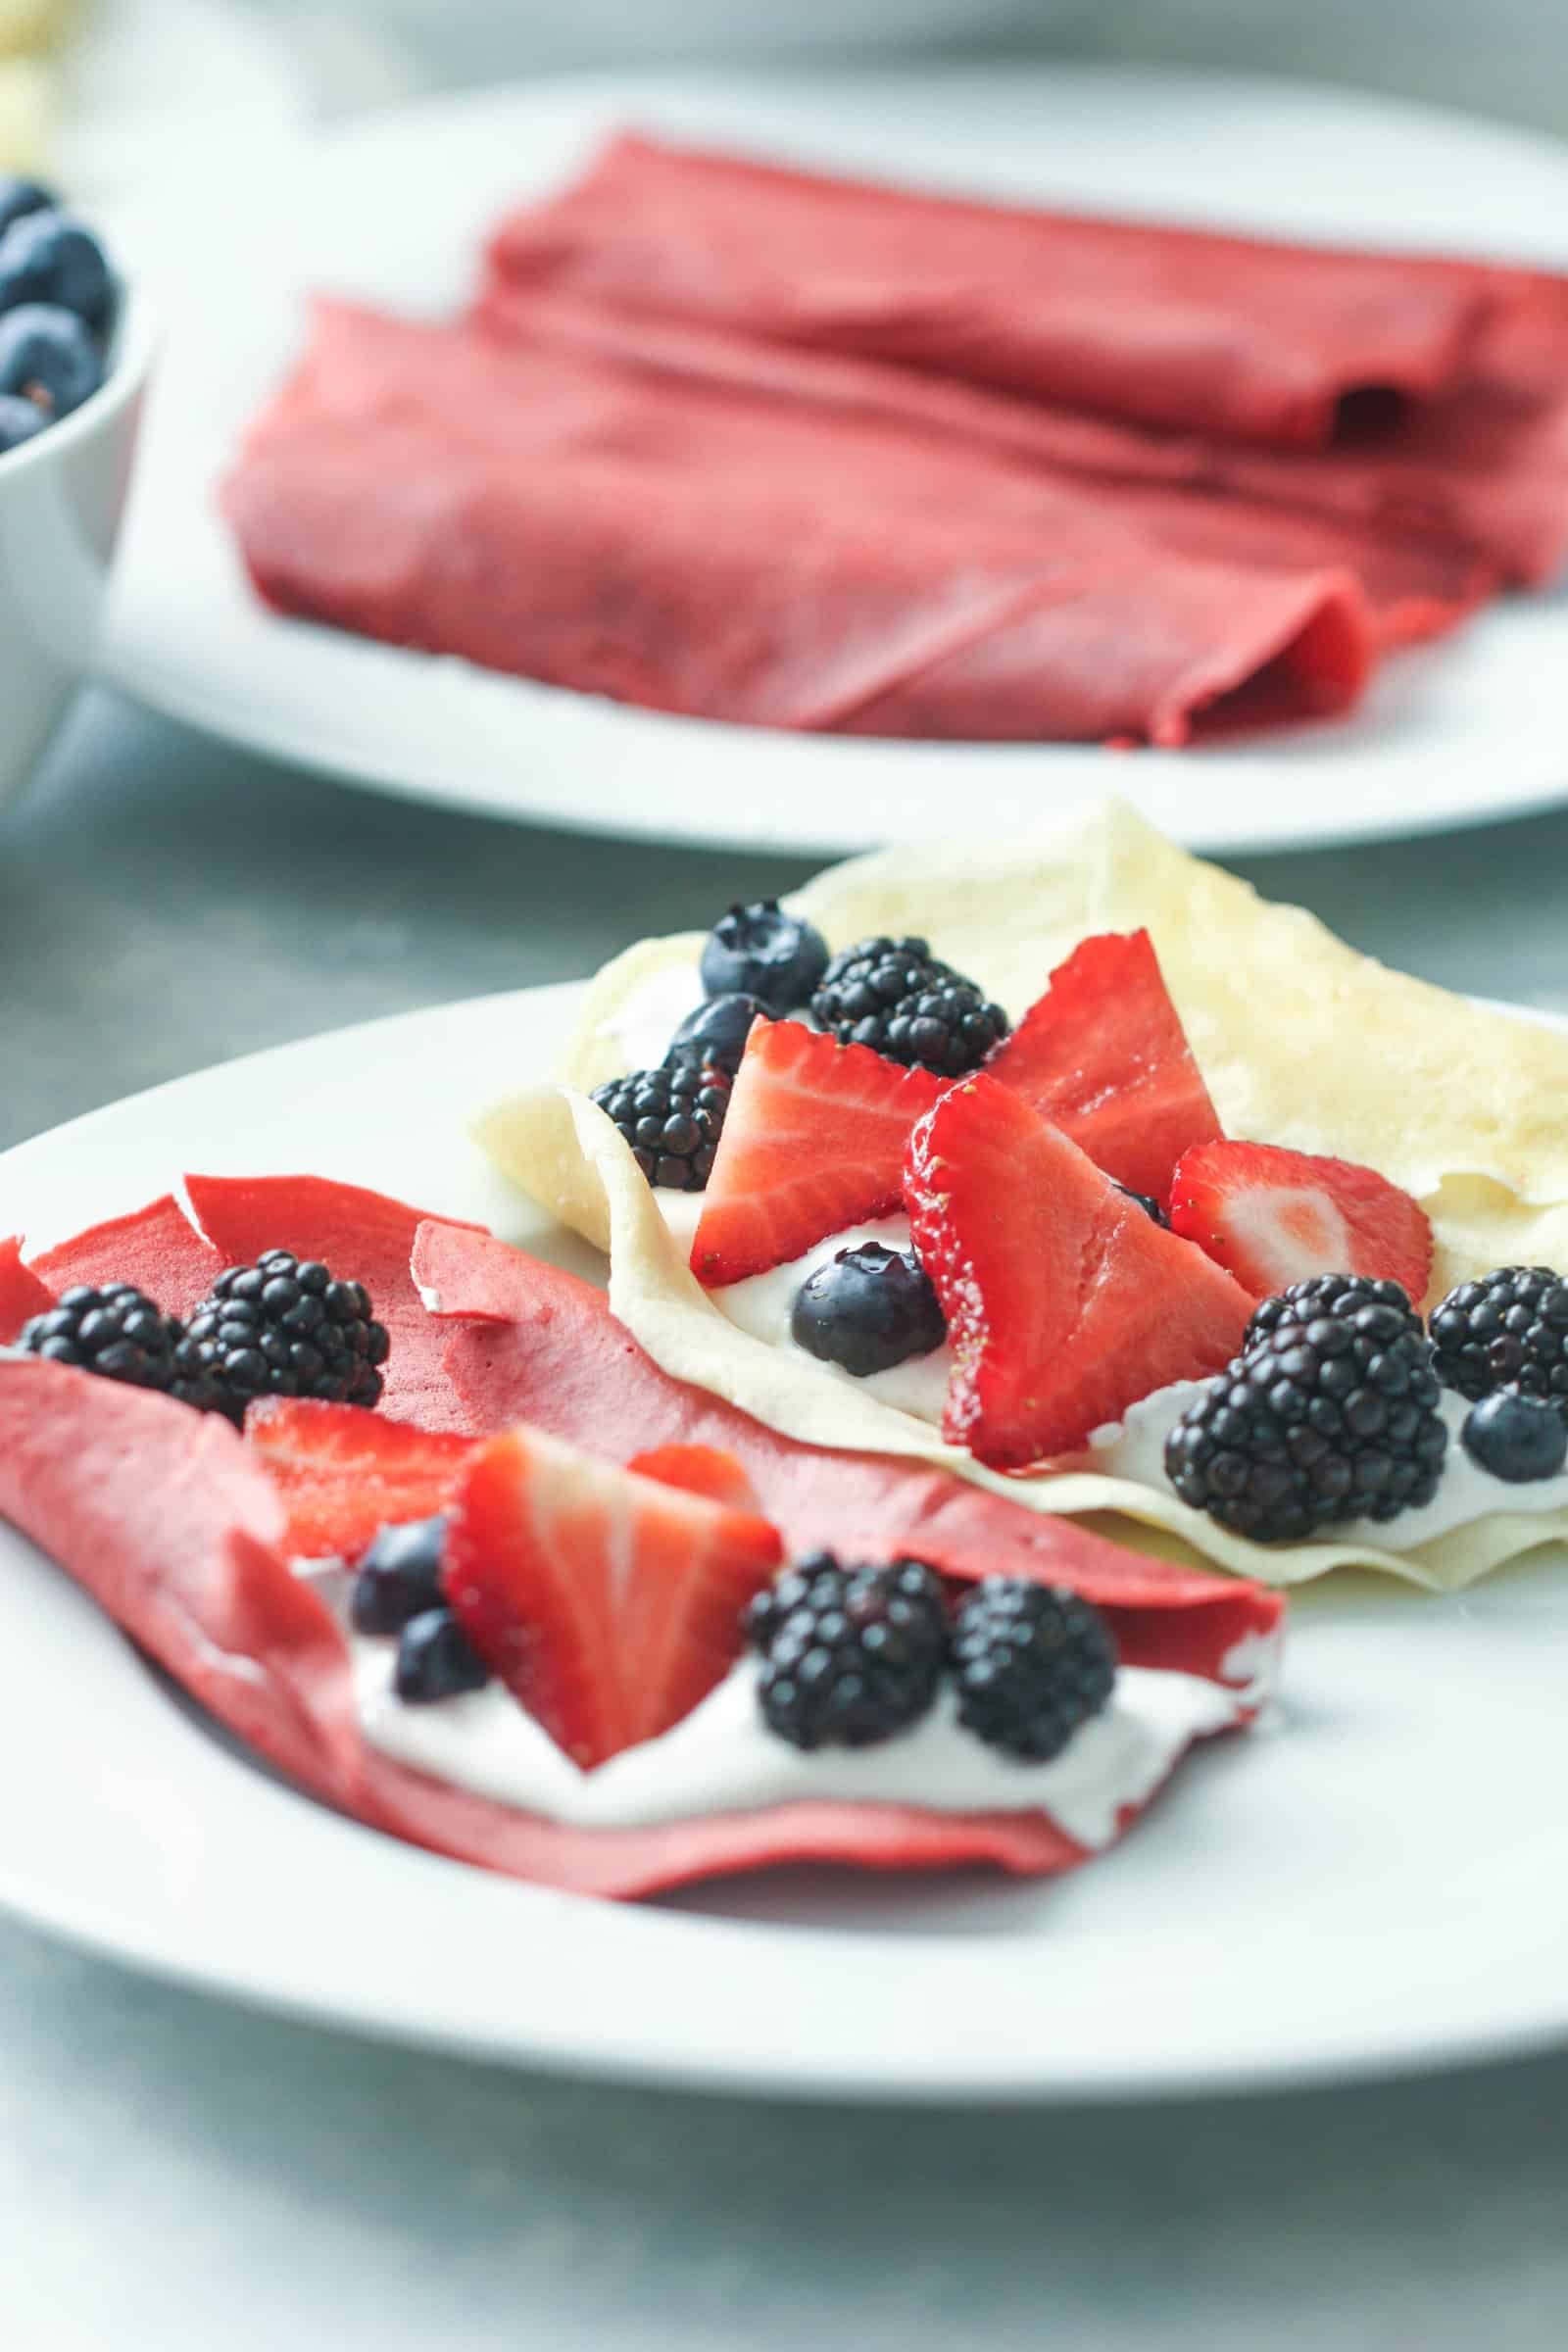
(75, 353)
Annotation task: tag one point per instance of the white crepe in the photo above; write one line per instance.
(1302, 1042)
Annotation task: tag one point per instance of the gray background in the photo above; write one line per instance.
(176, 2172)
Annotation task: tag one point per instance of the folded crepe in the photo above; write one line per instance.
(1302, 1042)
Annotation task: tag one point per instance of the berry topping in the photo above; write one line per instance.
(436, 1660)
(20, 197)
(760, 952)
(1064, 1301)
(282, 1328)
(19, 420)
(1032, 1664)
(715, 1032)
(1103, 1055)
(849, 1655)
(345, 1473)
(868, 1309)
(673, 1119)
(609, 1604)
(1330, 1419)
(814, 1143)
(1516, 1438)
(894, 996)
(121, 1334)
(46, 257)
(1340, 1295)
(47, 356)
(398, 1576)
(1273, 1217)
(1509, 1330)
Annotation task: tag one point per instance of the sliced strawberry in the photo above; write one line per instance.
(1103, 1055)
(813, 1140)
(699, 1470)
(343, 1471)
(609, 1604)
(1065, 1301)
(1272, 1217)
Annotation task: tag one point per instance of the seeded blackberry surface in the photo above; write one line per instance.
(895, 997)
(287, 1327)
(1507, 1329)
(1032, 1664)
(1340, 1296)
(673, 1119)
(1318, 1421)
(851, 1656)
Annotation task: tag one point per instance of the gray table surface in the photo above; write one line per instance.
(173, 2170)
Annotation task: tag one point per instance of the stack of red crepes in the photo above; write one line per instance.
(788, 450)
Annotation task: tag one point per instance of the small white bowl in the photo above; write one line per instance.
(62, 497)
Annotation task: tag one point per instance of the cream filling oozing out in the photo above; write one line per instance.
(721, 1758)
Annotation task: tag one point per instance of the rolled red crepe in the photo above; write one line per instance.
(169, 1520)
(567, 516)
(1168, 327)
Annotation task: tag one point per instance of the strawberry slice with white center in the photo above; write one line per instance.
(813, 1141)
(1065, 1301)
(1103, 1055)
(609, 1604)
(1272, 1217)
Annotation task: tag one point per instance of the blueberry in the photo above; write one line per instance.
(868, 1309)
(715, 1032)
(47, 256)
(20, 197)
(760, 950)
(398, 1576)
(436, 1660)
(19, 420)
(49, 357)
(1516, 1438)
(1145, 1202)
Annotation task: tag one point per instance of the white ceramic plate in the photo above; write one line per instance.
(1380, 1883)
(393, 210)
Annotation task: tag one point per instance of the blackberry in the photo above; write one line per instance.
(851, 1656)
(895, 996)
(1515, 1437)
(1332, 1419)
(436, 1660)
(760, 950)
(1509, 1330)
(1032, 1663)
(715, 1032)
(672, 1119)
(1342, 1296)
(868, 1309)
(284, 1327)
(122, 1334)
(398, 1576)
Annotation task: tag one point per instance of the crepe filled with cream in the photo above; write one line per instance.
(1302, 1042)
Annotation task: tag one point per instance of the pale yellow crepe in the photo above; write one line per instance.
(1302, 1041)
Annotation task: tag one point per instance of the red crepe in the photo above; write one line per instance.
(537, 1345)
(157, 1248)
(1170, 326)
(170, 1521)
(678, 543)
(21, 1293)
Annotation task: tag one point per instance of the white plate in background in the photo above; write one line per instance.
(392, 210)
(1378, 1882)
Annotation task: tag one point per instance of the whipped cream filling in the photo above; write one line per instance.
(1134, 1448)
(722, 1759)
